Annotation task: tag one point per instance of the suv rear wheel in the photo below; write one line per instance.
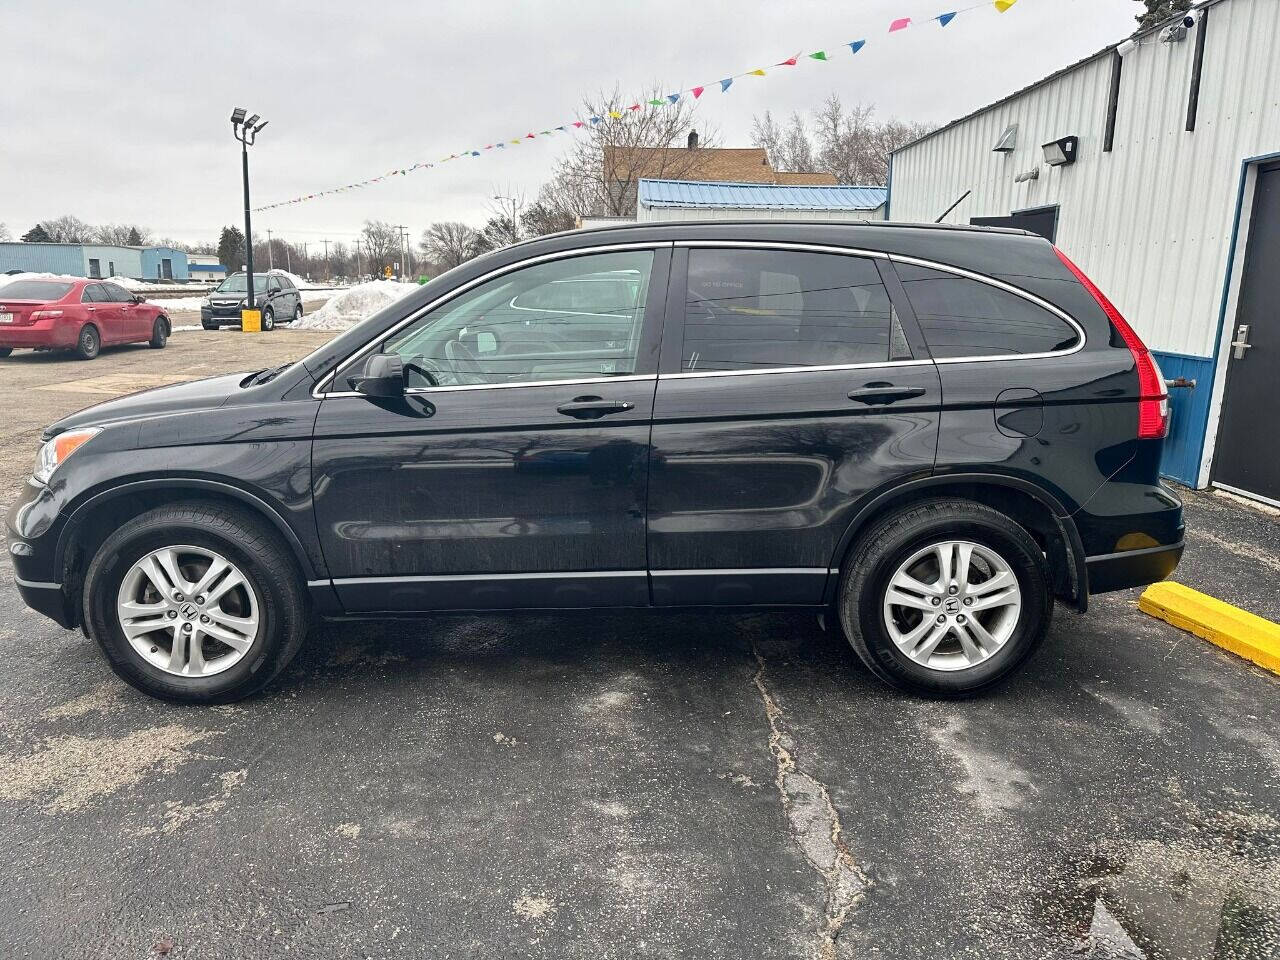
(946, 598)
(195, 602)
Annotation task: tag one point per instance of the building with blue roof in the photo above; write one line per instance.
(665, 200)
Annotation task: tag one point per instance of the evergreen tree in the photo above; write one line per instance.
(37, 234)
(1158, 10)
(135, 238)
(231, 248)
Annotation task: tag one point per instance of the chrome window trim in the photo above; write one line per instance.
(1009, 288)
(743, 571)
(418, 391)
(786, 245)
(689, 375)
(318, 391)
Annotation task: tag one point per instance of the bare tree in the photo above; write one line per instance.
(122, 234)
(449, 244)
(619, 142)
(5, 235)
(381, 243)
(503, 227)
(846, 142)
(68, 229)
(545, 215)
(789, 149)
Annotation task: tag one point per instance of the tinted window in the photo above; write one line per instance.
(93, 293)
(564, 320)
(961, 317)
(756, 309)
(33, 290)
(273, 286)
(117, 293)
(286, 283)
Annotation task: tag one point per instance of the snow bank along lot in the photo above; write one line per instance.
(351, 306)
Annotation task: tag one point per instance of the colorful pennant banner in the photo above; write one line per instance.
(569, 126)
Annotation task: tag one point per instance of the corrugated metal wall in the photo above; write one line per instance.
(1151, 221)
(665, 214)
(128, 262)
(151, 257)
(42, 258)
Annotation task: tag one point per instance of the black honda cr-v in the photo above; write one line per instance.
(932, 433)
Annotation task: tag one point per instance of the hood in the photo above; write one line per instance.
(178, 398)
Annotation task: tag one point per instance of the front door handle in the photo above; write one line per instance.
(885, 393)
(590, 408)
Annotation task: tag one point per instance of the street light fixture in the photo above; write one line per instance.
(246, 131)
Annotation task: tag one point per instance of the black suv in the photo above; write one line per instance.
(930, 433)
(274, 295)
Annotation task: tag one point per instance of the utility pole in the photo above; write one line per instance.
(359, 262)
(271, 257)
(406, 266)
(327, 272)
(288, 258)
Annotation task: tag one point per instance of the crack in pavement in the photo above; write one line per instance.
(814, 824)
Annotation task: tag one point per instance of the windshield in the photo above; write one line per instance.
(238, 283)
(34, 290)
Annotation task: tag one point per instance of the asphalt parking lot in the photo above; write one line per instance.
(627, 786)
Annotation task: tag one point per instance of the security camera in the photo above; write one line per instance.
(1189, 21)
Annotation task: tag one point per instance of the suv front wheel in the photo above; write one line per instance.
(195, 602)
(946, 598)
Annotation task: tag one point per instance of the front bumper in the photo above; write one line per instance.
(48, 599)
(221, 314)
(32, 543)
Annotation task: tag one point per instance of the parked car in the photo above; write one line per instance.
(78, 315)
(929, 436)
(274, 295)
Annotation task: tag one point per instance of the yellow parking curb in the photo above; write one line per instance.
(1220, 623)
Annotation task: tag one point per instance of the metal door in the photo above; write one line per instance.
(1245, 459)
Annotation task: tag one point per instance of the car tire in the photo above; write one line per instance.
(159, 333)
(297, 312)
(5, 351)
(210, 324)
(89, 343)
(269, 609)
(945, 635)
(268, 319)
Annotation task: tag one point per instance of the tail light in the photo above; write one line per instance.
(1153, 396)
(39, 315)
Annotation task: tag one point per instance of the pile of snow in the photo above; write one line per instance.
(8, 278)
(173, 304)
(351, 306)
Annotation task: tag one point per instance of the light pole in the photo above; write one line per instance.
(246, 131)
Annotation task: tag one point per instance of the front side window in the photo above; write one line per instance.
(962, 317)
(93, 293)
(761, 309)
(117, 293)
(568, 319)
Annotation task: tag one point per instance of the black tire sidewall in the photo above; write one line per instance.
(268, 319)
(96, 339)
(109, 569)
(160, 332)
(1022, 555)
(297, 313)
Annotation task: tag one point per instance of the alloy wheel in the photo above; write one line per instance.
(952, 605)
(188, 611)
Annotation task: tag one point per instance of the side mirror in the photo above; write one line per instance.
(383, 376)
(139, 298)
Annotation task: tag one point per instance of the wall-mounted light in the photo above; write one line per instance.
(1007, 140)
(1060, 153)
(1127, 47)
(1032, 174)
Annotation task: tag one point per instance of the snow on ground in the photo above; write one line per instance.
(13, 277)
(351, 306)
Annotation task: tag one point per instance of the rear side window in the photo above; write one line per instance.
(961, 317)
(758, 309)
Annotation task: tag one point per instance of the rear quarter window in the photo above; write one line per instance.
(963, 317)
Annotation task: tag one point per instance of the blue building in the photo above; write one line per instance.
(95, 260)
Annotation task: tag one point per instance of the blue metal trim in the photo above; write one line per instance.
(1226, 292)
(888, 191)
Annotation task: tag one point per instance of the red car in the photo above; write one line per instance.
(79, 315)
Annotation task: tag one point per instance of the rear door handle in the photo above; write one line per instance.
(590, 408)
(885, 393)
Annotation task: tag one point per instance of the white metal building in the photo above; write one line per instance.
(660, 200)
(1169, 200)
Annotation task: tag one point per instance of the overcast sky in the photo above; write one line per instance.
(125, 118)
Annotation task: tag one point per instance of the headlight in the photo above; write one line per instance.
(55, 453)
(206, 302)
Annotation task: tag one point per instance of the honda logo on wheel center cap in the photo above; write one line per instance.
(189, 611)
(951, 605)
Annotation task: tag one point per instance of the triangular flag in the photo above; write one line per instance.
(475, 153)
(856, 45)
(697, 92)
(820, 55)
(561, 129)
(725, 84)
(789, 62)
(529, 136)
(615, 114)
(634, 106)
(595, 119)
(756, 73)
(903, 22)
(578, 123)
(657, 103)
(945, 18)
(1003, 5)
(672, 97)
